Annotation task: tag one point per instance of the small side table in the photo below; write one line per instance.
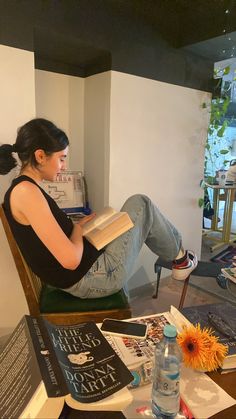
(226, 236)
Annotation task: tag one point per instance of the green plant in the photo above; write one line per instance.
(215, 147)
(216, 131)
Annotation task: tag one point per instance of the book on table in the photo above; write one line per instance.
(106, 226)
(221, 318)
(42, 365)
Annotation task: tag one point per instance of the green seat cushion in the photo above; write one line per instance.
(53, 300)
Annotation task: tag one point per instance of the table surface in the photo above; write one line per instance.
(140, 407)
(228, 383)
(225, 381)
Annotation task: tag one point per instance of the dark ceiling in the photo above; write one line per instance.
(82, 37)
(208, 23)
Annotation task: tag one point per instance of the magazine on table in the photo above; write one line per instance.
(138, 354)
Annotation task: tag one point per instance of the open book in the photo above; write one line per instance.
(106, 226)
(42, 365)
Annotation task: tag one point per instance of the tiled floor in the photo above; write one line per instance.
(170, 290)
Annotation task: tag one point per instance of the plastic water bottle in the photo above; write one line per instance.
(165, 390)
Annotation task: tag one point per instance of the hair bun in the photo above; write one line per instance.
(13, 147)
(7, 161)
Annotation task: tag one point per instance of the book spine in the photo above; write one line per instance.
(50, 370)
(19, 372)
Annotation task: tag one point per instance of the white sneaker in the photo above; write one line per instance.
(181, 271)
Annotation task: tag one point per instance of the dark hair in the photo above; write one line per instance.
(36, 134)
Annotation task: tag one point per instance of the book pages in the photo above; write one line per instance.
(110, 220)
(116, 401)
(100, 217)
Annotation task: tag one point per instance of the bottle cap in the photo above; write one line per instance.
(170, 331)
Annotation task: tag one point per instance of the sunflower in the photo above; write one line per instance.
(217, 354)
(201, 350)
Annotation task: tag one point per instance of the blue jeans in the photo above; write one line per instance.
(114, 267)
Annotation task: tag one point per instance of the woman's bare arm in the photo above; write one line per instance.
(29, 206)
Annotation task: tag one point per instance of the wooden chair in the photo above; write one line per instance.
(41, 299)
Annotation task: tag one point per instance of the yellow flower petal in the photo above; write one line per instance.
(201, 349)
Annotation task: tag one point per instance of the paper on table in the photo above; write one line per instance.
(202, 395)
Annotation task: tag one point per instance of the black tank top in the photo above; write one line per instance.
(36, 254)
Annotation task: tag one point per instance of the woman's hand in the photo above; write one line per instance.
(86, 219)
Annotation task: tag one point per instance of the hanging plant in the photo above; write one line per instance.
(215, 134)
(214, 147)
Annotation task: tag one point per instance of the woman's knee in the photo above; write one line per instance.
(137, 199)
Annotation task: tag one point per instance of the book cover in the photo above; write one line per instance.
(91, 368)
(42, 365)
(224, 328)
(106, 226)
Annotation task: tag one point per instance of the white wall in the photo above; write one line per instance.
(140, 136)
(157, 135)
(60, 98)
(17, 107)
(96, 138)
(76, 122)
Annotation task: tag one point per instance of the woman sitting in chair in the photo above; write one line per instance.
(53, 246)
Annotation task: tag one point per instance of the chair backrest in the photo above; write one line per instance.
(30, 282)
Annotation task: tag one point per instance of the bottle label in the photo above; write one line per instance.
(168, 382)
